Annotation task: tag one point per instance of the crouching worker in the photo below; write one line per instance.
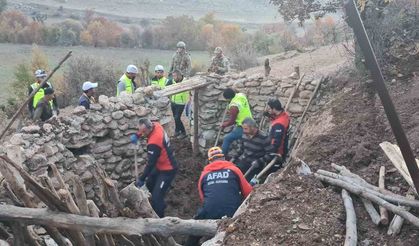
(222, 188)
(161, 167)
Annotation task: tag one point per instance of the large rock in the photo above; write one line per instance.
(129, 113)
(31, 129)
(79, 110)
(295, 108)
(104, 101)
(305, 94)
(117, 115)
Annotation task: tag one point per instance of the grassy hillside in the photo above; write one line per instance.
(14, 54)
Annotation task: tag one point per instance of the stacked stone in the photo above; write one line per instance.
(103, 133)
(258, 90)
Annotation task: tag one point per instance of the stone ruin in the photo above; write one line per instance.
(80, 139)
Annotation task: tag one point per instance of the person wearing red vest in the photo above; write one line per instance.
(161, 167)
(222, 188)
(280, 122)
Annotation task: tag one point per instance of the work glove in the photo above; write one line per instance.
(134, 138)
(139, 183)
(254, 181)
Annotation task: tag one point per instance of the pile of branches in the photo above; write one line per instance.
(70, 219)
(369, 194)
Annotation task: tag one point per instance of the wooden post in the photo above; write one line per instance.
(195, 146)
(351, 233)
(383, 211)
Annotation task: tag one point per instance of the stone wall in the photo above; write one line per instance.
(82, 138)
(258, 90)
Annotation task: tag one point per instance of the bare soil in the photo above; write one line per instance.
(297, 210)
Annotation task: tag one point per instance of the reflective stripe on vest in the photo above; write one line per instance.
(161, 83)
(39, 95)
(240, 101)
(129, 88)
(180, 98)
(284, 120)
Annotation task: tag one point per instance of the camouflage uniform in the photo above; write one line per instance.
(182, 62)
(219, 65)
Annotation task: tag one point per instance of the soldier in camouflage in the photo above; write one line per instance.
(181, 60)
(219, 63)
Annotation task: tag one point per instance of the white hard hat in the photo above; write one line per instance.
(181, 44)
(159, 68)
(88, 85)
(40, 73)
(132, 69)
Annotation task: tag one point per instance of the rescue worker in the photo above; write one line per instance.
(40, 75)
(219, 63)
(280, 122)
(222, 188)
(43, 110)
(159, 78)
(178, 102)
(181, 60)
(255, 149)
(161, 167)
(239, 110)
(126, 82)
(88, 92)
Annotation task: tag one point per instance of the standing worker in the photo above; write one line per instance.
(239, 110)
(280, 122)
(44, 110)
(40, 75)
(178, 102)
(222, 188)
(255, 150)
(181, 60)
(161, 168)
(219, 63)
(88, 92)
(159, 78)
(126, 82)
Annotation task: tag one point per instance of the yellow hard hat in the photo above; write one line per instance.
(215, 152)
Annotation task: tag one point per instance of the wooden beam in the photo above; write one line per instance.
(163, 227)
(381, 185)
(186, 85)
(351, 233)
(195, 122)
(394, 154)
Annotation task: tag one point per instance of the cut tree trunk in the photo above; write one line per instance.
(163, 227)
(351, 233)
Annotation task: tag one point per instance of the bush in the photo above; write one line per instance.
(243, 55)
(86, 69)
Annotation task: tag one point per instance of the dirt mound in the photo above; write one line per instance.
(296, 210)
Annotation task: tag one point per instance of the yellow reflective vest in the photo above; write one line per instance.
(129, 85)
(39, 95)
(240, 101)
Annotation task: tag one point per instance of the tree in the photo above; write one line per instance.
(302, 10)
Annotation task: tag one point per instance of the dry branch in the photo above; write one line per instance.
(381, 185)
(362, 192)
(186, 85)
(351, 234)
(391, 197)
(397, 222)
(163, 227)
(374, 215)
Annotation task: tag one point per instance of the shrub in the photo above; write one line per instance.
(87, 69)
(243, 55)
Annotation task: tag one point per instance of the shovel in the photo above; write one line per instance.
(219, 131)
(256, 179)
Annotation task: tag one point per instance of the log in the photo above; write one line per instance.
(66, 197)
(186, 85)
(374, 215)
(389, 197)
(294, 91)
(372, 197)
(394, 154)
(94, 212)
(383, 211)
(196, 122)
(351, 233)
(163, 227)
(358, 180)
(396, 223)
(80, 195)
(46, 181)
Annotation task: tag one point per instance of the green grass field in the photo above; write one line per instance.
(13, 54)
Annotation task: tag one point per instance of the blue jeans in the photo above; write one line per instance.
(230, 138)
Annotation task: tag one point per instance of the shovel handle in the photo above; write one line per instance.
(219, 130)
(267, 167)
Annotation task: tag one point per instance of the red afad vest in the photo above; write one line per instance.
(284, 120)
(159, 137)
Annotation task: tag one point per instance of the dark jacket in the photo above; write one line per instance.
(43, 111)
(257, 148)
(222, 188)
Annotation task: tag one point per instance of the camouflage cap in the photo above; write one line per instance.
(181, 44)
(218, 50)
